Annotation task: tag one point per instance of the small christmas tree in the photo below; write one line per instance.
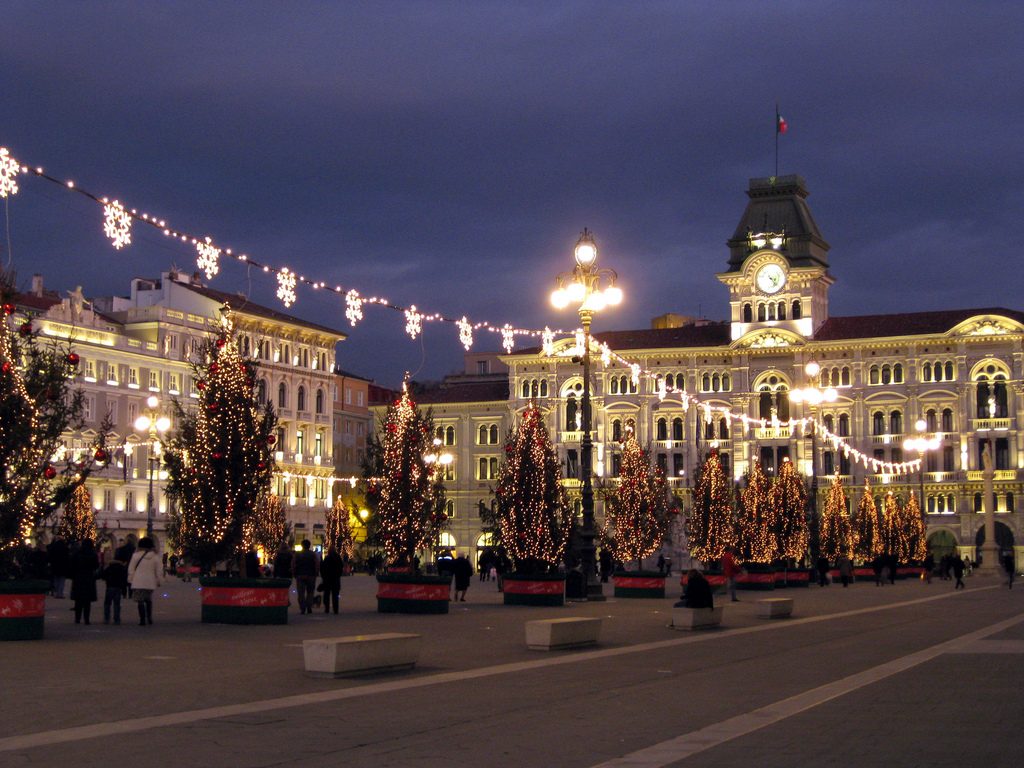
(533, 515)
(78, 521)
(339, 529)
(835, 534)
(913, 526)
(219, 460)
(37, 405)
(867, 532)
(711, 527)
(407, 498)
(637, 512)
(789, 497)
(267, 528)
(756, 518)
(894, 542)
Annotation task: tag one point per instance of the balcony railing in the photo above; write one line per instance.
(774, 433)
(999, 474)
(940, 477)
(575, 436)
(990, 425)
(887, 439)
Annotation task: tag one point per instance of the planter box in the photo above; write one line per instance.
(863, 573)
(758, 576)
(639, 584)
(534, 590)
(22, 608)
(780, 578)
(909, 572)
(244, 601)
(405, 593)
(799, 577)
(716, 581)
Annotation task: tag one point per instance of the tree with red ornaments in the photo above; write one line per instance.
(78, 522)
(533, 515)
(220, 461)
(268, 527)
(38, 404)
(339, 529)
(711, 525)
(405, 494)
(637, 512)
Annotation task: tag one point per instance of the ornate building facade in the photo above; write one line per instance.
(955, 373)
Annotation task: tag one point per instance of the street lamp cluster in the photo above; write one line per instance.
(922, 444)
(154, 424)
(590, 289)
(814, 395)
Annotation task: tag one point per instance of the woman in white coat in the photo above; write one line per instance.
(144, 576)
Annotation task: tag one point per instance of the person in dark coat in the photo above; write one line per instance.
(252, 564)
(823, 568)
(84, 565)
(1010, 567)
(60, 564)
(463, 572)
(698, 591)
(115, 576)
(958, 571)
(929, 566)
(330, 578)
(283, 563)
(305, 567)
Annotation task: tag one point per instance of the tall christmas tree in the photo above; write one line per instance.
(835, 534)
(37, 404)
(789, 497)
(407, 498)
(711, 527)
(756, 519)
(867, 530)
(267, 528)
(534, 517)
(893, 537)
(78, 522)
(339, 529)
(914, 530)
(219, 460)
(637, 512)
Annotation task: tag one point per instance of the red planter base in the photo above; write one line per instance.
(22, 608)
(639, 584)
(533, 590)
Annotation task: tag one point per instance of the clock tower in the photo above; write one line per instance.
(778, 274)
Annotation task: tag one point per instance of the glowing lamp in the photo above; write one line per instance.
(831, 395)
(576, 292)
(921, 425)
(142, 423)
(796, 396)
(163, 424)
(812, 368)
(559, 299)
(613, 295)
(586, 249)
(152, 401)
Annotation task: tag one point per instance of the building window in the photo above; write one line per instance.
(481, 366)
(318, 445)
(319, 401)
(662, 429)
(348, 395)
(677, 428)
(844, 425)
(154, 381)
(300, 439)
(300, 400)
(487, 468)
(617, 430)
(797, 310)
(748, 314)
(947, 420)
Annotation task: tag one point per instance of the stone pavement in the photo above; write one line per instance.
(910, 674)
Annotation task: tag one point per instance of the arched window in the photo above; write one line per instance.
(571, 411)
(977, 502)
(525, 390)
(623, 384)
(949, 370)
(677, 428)
(481, 435)
(449, 435)
(726, 383)
(999, 393)
(895, 423)
(716, 383)
(931, 421)
(771, 312)
(926, 372)
(709, 430)
(670, 381)
(493, 434)
(878, 423)
(947, 420)
(723, 428)
(844, 425)
(613, 385)
(282, 395)
(782, 310)
(300, 400)
(705, 383)
(873, 375)
(748, 314)
(319, 401)
(764, 405)
(796, 309)
(830, 426)
(886, 374)
(543, 388)
(261, 391)
(616, 429)
(845, 377)
(760, 313)
(661, 429)
(897, 373)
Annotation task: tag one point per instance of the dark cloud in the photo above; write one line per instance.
(447, 154)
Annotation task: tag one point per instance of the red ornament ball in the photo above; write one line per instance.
(212, 407)
(73, 359)
(214, 367)
(271, 439)
(49, 473)
(217, 455)
(100, 455)
(220, 343)
(7, 366)
(200, 385)
(261, 465)
(26, 329)
(8, 309)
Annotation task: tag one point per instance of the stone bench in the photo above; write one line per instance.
(555, 634)
(696, 618)
(775, 608)
(360, 654)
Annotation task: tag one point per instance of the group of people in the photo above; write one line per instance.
(305, 567)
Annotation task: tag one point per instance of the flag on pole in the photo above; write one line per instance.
(780, 123)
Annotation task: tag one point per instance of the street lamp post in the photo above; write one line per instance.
(591, 289)
(154, 424)
(921, 444)
(814, 395)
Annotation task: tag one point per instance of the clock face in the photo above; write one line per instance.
(771, 278)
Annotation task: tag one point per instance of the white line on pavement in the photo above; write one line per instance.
(119, 727)
(681, 747)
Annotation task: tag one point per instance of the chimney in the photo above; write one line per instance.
(37, 285)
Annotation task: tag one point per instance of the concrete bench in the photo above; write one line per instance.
(554, 634)
(775, 608)
(696, 618)
(360, 654)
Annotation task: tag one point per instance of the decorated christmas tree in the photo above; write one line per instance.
(78, 522)
(913, 527)
(835, 534)
(894, 541)
(867, 531)
(407, 498)
(637, 512)
(339, 529)
(219, 459)
(37, 404)
(756, 519)
(533, 515)
(711, 527)
(789, 497)
(267, 528)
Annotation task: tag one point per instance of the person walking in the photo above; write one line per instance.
(877, 566)
(929, 566)
(144, 578)
(305, 567)
(730, 569)
(823, 569)
(463, 572)
(1010, 567)
(958, 572)
(115, 576)
(283, 563)
(60, 564)
(124, 552)
(845, 565)
(330, 578)
(252, 564)
(84, 566)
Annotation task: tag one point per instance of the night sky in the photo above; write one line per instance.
(448, 154)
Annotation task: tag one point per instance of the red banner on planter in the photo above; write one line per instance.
(22, 606)
(756, 578)
(245, 597)
(546, 587)
(798, 576)
(639, 582)
(399, 591)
